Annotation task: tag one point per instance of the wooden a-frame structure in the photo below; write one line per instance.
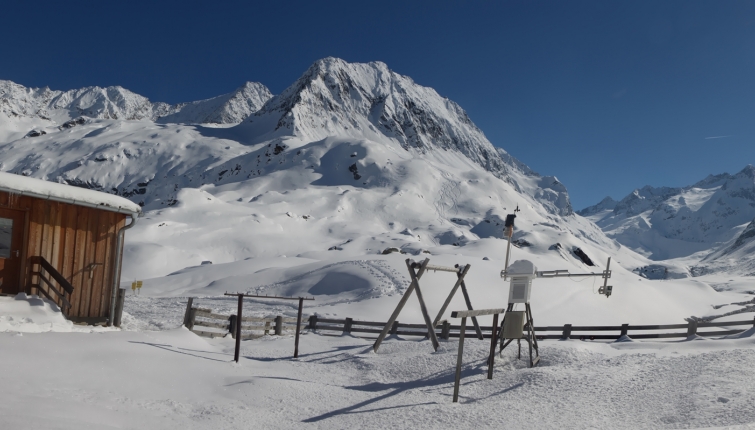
(416, 270)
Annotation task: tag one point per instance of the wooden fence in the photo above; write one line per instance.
(197, 319)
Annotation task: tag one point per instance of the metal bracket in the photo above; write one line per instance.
(91, 267)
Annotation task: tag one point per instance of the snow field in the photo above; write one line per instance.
(174, 379)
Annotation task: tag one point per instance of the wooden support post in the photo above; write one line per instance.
(192, 318)
(394, 328)
(238, 328)
(509, 308)
(298, 328)
(446, 330)
(532, 337)
(566, 334)
(491, 358)
(347, 325)
(188, 311)
(457, 378)
(459, 280)
(278, 325)
(423, 308)
(232, 321)
(313, 322)
(267, 328)
(401, 302)
(469, 306)
(692, 327)
(624, 329)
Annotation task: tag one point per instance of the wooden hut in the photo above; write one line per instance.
(64, 243)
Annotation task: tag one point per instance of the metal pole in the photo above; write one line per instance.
(457, 379)
(238, 328)
(508, 252)
(298, 328)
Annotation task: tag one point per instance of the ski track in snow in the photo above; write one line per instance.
(448, 196)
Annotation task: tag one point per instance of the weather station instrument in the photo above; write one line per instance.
(518, 324)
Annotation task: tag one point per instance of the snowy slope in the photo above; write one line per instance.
(664, 223)
(736, 256)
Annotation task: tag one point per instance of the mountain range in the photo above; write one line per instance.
(707, 225)
(368, 159)
(120, 103)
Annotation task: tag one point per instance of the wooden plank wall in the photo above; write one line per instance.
(78, 241)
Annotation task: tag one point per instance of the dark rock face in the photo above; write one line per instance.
(582, 256)
(521, 243)
(73, 123)
(35, 133)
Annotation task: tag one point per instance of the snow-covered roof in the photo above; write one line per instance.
(40, 189)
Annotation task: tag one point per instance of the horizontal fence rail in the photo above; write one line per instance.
(198, 319)
(445, 330)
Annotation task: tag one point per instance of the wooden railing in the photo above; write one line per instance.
(62, 292)
(199, 318)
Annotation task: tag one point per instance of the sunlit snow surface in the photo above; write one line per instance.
(174, 379)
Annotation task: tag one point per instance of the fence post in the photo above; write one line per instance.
(298, 327)
(445, 332)
(566, 334)
(624, 329)
(313, 322)
(188, 311)
(232, 321)
(267, 327)
(394, 329)
(347, 325)
(692, 328)
(192, 318)
(278, 325)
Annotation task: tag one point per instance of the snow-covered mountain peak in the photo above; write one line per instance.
(231, 108)
(368, 100)
(607, 204)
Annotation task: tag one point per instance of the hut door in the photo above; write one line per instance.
(11, 247)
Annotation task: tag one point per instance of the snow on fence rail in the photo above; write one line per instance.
(199, 319)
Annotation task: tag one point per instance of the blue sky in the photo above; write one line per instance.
(606, 95)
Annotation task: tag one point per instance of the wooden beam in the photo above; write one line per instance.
(389, 325)
(430, 327)
(457, 377)
(456, 286)
(476, 313)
